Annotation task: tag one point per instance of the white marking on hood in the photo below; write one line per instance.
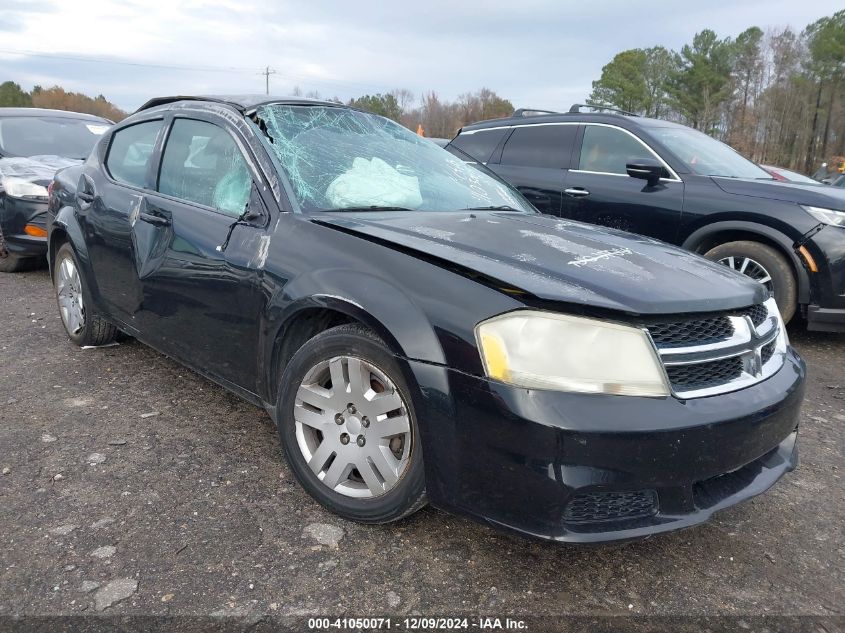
(435, 233)
(600, 255)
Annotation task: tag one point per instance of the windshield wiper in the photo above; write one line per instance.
(373, 207)
(495, 207)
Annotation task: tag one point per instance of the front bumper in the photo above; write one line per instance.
(826, 309)
(15, 214)
(534, 461)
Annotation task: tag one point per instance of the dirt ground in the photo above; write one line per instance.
(132, 486)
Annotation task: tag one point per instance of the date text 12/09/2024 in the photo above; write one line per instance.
(420, 623)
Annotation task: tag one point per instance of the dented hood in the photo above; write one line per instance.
(560, 260)
(37, 169)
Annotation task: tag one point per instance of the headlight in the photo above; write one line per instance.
(826, 216)
(542, 350)
(20, 188)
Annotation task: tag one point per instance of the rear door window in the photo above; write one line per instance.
(203, 164)
(608, 150)
(130, 152)
(548, 146)
(480, 143)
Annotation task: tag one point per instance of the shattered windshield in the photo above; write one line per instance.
(341, 159)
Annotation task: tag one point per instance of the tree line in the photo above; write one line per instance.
(56, 98)
(430, 115)
(776, 96)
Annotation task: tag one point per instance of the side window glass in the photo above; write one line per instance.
(548, 146)
(203, 164)
(130, 152)
(609, 150)
(480, 144)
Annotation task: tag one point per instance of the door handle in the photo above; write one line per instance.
(85, 192)
(155, 220)
(576, 192)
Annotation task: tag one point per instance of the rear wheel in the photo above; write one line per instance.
(82, 325)
(348, 429)
(765, 265)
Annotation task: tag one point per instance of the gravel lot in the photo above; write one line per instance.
(133, 486)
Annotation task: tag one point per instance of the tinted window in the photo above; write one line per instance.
(130, 152)
(202, 164)
(540, 146)
(54, 136)
(608, 150)
(479, 144)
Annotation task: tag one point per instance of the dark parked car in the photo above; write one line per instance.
(34, 144)
(417, 331)
(671, 182)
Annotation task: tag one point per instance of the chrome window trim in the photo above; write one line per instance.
(672, 172)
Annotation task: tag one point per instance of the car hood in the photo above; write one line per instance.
(37, 169)
(811, 195)
(560, 260)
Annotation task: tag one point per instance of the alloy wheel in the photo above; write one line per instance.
(69, 291)
(353, 427)
(750, 268)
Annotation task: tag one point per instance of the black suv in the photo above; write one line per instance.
(674, 183)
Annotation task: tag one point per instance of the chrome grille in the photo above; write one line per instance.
(721, 353)
(757, 314)
(681, 333)
(704, 375)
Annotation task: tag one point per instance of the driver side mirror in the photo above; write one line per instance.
(647, 169)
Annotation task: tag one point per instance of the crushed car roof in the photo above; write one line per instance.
(239, 102)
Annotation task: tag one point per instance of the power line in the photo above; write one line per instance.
(267, 72)
(331, 83)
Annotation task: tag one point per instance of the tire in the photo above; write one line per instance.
(83, 326)
(749, 257)
(13, 263)
(378, 497)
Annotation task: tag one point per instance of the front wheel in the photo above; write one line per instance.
(82, 325)
(348, 429)
(764, 265)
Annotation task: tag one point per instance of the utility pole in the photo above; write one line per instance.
(267, 72)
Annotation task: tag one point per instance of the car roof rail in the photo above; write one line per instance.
(523, 112)
(576, 109)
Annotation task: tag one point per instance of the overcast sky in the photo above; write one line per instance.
(537, 53)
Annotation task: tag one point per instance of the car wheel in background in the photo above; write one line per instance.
(765, 265)
(348, 428)
(13, 263)
(81, 324)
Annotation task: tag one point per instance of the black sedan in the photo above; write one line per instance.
(417, 331)
(34, 144)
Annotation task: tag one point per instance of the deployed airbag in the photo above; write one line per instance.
(374, 183)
